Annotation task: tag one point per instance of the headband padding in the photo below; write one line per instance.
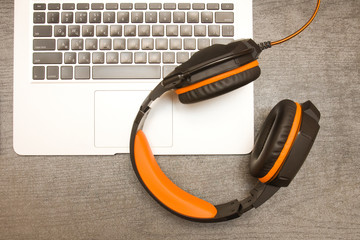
(220, 87)
(272, 137)
(162, 188)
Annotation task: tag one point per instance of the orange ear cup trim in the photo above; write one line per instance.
(163, 188)
(287, 147)
(218, 77)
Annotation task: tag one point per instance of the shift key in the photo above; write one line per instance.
(47, 58)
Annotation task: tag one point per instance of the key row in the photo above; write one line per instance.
(133, 31)
(134, 17)
(129, 44)
(130, 6)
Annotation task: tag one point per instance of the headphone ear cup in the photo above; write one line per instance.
(272, 137)
(218, 85)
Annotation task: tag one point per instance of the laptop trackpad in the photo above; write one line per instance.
(115, 112)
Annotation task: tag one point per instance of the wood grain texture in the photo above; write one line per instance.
(89, 197)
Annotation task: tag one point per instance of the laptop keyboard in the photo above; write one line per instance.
(114, 41)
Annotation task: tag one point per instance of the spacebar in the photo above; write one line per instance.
(126, 72)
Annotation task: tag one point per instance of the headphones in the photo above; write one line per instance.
(280, 148)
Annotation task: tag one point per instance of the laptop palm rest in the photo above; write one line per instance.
(115, 112)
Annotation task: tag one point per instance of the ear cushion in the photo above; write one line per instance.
(272, 137)
(220, 84)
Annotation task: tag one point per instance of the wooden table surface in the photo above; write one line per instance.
(99, 197)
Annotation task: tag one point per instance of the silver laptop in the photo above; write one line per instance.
(82, 69)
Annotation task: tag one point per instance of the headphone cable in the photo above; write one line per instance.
(268, 44)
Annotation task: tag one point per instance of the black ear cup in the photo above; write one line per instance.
(220, 86)
(272, 137)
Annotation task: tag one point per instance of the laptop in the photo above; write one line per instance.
(82, 69)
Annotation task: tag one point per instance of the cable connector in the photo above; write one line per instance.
(265, 45)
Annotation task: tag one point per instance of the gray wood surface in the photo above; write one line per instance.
(99, 197)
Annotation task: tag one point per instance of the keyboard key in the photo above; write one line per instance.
(70, 58)
(228, 30)
(154, 57)
(83, 6)
(109, 17)
(203, 43)
(39, 6)
(137, 17)
(168, 57)
(91, 44)
(39, 17)
(130, 30)
(184, 6)
(67, 17)
(53, 17)
(123, 17)
(119, 44)
(81, 17)
(66, 73)
(82, 72)
(105, 44)
(63, 44)
(151, 17)
(165, 17)
(185, 30)
(112, 6)
(60, 31)
(88, 30)
(199, 30)
(95, 17)
(68, 6)
(206, 17)
(140, 6)
(126, 57)
(182, 57)
(161, 44)
(144, 30)
(77, 44)
(193, 17)
(221, 40)
(116, 30)
(214, 30)
(227, 6)
(74, 31)
(189, 44)
(147, 44)
(158, 30)
(112, 57)
(98, 58)
(126, 72)
(39, 73)
(168, 69)
(42, 31)
(155, 6)
(101, 30)
(198, 6)
(84, 57)
(224, 17)
(140, 57)
(54, 6)
(171, 30)
(169, 6)
(126, 6)
(133, 44)
(175, 44)
(179, 17)
(47, 58)
(213, 6)
(52, 73)
(97, 6)
(43, 44)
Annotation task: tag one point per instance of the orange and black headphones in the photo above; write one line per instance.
(281, 147)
